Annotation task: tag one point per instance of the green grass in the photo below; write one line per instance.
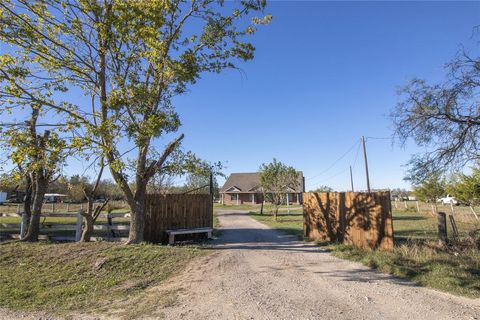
(423, 264)
(61, 278)
(415, 256)
(289, 223)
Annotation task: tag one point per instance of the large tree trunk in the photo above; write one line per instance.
(88, 230)
(27, 203)
(39, 196)
(90, 217)
(137, 218)
(89, 222)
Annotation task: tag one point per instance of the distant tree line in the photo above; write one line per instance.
(465, 188)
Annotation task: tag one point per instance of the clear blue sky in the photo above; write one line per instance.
(324, 74)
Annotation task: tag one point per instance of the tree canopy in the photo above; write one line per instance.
(444, 118)
(130, 58)
(277, 179)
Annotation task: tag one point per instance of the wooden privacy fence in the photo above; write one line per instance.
(176, 211)
(356, 218)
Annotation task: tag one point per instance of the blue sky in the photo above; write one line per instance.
(324, 74)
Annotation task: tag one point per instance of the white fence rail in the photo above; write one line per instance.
(109, 227)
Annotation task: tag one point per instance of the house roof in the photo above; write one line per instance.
(249, 182)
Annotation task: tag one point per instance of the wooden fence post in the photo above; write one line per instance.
(68, 207)
(23, 225)
(442, 228)
(53, 207)
(405, 203)
(78, 227)
(456, 236)
(18, 209)
(418, 207)
(396, 205)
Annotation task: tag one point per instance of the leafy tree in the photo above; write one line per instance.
(38, 155)
(466, 188)
(160, 183)
(199, 182)
(92, 213)
(76, 185)
(431, 189)
(323, 189)
(9, 182)
(399, 193)
(443, 118)
(276, 180)
(131, 58)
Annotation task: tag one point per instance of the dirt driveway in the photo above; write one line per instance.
(258, 273)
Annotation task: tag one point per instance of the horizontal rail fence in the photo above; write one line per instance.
(176, 211)
(356, 218)
(110, 227)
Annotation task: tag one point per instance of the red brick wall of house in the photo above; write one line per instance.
(246, 198)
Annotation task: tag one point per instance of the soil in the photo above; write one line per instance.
(255, 272)
(259, 273)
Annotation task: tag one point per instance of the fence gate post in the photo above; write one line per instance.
(78, 227)
(23, 225)
(442, 228)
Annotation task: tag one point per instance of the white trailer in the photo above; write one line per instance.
(3, 197)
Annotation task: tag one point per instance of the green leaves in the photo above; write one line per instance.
(431, 188)
(276, 179)
(466, 188)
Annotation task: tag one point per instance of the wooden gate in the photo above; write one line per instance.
(357, 218)
(176, 211)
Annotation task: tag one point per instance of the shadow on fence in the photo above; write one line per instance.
(360, 219)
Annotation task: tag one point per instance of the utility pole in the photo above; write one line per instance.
(366, 163)
(351, 178)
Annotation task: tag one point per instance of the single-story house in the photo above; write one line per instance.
(244, 188)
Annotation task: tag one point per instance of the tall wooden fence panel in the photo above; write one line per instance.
(176, 211)
(357, 218)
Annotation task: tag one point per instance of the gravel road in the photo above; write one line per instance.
(255, 272)
(259, 273)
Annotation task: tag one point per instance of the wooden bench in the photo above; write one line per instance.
(173, 233)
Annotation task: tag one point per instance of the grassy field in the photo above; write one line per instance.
(62, 278)
(415, 256)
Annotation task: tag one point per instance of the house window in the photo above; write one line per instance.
(234, 196)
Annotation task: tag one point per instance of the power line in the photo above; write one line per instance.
(331, 177)
(356, 156)
(378, 138)
(335, 162)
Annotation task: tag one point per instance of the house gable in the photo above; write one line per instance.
(232, 189)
